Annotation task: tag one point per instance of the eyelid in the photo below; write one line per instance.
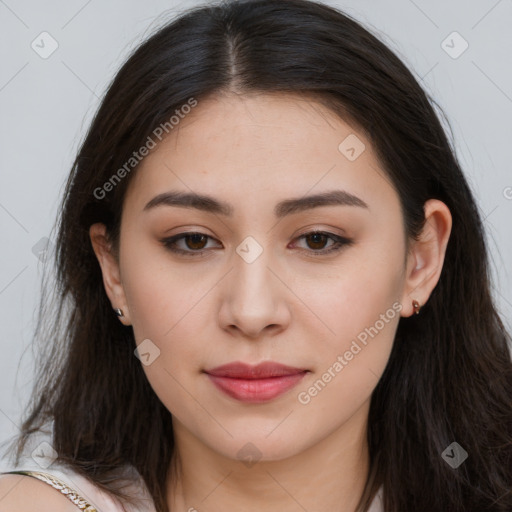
(340, 241)
(168, 241)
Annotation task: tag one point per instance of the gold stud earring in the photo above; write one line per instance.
(416, 306)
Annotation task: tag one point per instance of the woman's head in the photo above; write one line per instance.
(254, 104)
(254, 284)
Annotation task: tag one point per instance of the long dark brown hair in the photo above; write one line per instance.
(449, 376)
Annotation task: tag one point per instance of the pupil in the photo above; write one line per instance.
(196, 238)
(318, 238)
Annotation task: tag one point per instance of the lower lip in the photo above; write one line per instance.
(256, 390)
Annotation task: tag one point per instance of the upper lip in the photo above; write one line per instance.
(239, 370)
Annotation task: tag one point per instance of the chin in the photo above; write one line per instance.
(260, 447)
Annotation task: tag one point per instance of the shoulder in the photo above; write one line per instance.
(22, 493)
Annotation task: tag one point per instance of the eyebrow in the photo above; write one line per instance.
(287, 207)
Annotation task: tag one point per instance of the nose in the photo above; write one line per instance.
(254, 299)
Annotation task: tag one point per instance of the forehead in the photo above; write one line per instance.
(261, 126)
(261, 145)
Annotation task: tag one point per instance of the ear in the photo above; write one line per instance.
(426, 255)
(110, 270)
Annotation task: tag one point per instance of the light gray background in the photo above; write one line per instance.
(46, 105)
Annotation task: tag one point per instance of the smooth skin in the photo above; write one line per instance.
(291, 305)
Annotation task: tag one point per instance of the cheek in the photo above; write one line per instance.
(360, 310)
(169, 315)
(167, 308)
(361, 294)
(349, 363)
(166, 314)
(161, 295)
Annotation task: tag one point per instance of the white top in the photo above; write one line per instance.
(377, 505)
(39, 458)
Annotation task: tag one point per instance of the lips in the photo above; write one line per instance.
(254, 384)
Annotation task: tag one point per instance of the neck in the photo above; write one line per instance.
(328, 475)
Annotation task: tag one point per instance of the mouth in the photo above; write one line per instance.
(255, 384)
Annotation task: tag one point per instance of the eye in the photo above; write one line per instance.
(196, 243)
(317, 240)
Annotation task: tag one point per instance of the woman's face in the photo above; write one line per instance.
(255, 285)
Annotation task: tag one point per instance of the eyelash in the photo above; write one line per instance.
(340, 242)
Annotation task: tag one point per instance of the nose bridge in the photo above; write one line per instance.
(254, 299)
(251, 272)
